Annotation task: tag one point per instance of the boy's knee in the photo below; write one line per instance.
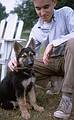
(70, 46)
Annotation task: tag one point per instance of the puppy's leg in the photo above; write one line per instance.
(23, 108)
(32, 98)
(15, 104)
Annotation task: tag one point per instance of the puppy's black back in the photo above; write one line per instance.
(11, 86)
(7, 90)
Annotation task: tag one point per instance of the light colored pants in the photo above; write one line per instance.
(58, 66)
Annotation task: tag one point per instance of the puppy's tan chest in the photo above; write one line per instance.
(25, 83)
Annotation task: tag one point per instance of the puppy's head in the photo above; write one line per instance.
(25, 58)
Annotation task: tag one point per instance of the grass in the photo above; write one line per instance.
(48, 102)
(42, 99)
(25, 34)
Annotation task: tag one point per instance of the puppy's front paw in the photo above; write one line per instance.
(38, 108)
(25, 115)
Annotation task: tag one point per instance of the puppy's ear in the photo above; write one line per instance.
(17, 48)
(31, 44)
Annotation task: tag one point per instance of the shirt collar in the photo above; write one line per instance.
(54, 15)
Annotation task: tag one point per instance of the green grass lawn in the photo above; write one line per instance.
(25, 34)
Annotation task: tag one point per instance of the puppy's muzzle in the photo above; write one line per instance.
(30, 62)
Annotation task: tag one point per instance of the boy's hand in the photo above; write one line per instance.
(12, 64)
(47, 53)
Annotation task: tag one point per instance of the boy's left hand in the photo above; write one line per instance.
(47, 53)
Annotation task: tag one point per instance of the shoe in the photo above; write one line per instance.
(64, 109)
(54, 86)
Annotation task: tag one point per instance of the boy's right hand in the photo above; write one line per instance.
(12, 64)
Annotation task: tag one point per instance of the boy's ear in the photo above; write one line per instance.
(55, 3)
(17, 48)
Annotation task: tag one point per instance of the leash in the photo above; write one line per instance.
(22, 68)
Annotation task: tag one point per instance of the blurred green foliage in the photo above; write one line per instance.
(2, 12)
(62, 3)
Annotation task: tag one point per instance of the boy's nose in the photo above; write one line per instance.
(42, 12)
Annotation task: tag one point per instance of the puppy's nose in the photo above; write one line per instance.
(30, 62)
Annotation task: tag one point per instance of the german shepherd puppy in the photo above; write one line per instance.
(20, 83)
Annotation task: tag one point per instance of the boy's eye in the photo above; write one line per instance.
(44, 7)
(38, 8)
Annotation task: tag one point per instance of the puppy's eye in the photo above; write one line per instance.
(24, 55)
(30, 53)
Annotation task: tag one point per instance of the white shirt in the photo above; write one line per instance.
(61, 25)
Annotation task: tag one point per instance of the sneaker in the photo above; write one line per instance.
(52, 92)
(54, 86)
(64, 108)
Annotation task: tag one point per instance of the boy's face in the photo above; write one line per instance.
(45, 8)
